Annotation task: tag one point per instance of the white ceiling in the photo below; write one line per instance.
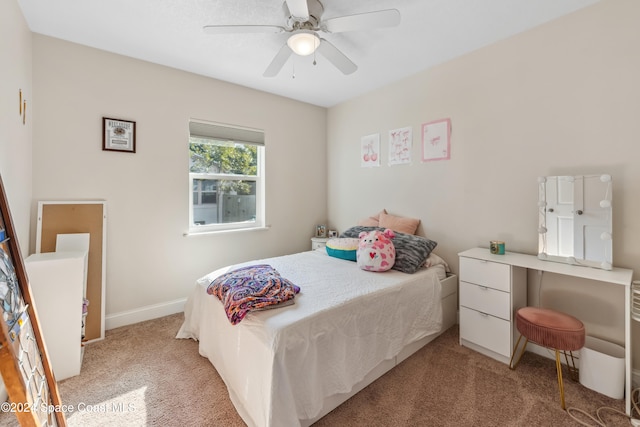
(169, 32)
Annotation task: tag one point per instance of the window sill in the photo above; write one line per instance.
(231, 230)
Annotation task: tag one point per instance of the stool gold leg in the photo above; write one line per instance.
(512, 365)
(560, 385)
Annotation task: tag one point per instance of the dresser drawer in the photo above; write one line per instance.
(318, 242)
(486, 331)
(486, 300)
(485, 273)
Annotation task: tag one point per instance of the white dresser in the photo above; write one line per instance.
(490, 293)
(57, 281)
(493, 287)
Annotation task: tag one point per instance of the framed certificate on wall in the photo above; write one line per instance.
(118, 135)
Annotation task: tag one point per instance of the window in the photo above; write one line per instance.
(226, 177)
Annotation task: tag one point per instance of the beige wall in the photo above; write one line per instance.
(562, 99)
(15, 137)
(149, 261)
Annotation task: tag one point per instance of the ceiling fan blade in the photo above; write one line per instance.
(235, 29)
(299, 10)
(278, 62)
(337, 58)
(363, 21)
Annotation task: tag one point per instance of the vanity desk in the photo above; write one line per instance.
(493, 287)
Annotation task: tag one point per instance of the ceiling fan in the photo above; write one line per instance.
(303, 20)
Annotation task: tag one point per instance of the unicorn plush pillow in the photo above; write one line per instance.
(376, 251)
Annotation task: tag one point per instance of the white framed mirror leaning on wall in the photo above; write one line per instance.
(575, 220)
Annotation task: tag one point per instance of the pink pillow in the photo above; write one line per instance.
(398, 224)
(372, 221)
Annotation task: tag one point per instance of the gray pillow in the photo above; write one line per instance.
(411, 251)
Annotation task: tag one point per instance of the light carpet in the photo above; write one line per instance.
(140, 375)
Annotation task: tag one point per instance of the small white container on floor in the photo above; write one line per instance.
(602, 367)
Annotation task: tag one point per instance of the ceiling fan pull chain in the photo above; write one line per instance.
(315, 48)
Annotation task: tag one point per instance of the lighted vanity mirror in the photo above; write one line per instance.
(575, 220)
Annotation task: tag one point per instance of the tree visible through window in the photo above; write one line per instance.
(225, 173)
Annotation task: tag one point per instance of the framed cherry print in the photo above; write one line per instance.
(370, 151)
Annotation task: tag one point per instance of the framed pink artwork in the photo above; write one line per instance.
(400, 144)
(370, 151)
(436, 140)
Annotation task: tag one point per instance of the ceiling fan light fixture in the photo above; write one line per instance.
(303, 42)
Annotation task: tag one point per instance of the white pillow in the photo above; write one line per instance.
(434, 259)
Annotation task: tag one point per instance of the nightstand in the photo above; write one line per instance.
(318, 242)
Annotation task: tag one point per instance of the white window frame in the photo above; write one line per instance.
(238, 135)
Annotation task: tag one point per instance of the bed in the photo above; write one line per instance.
(291, 365)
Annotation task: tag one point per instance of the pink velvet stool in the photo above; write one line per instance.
(551, 329)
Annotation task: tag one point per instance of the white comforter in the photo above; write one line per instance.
(279, 365)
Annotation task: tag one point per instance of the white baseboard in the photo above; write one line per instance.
(543, 351)
(149, 312)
